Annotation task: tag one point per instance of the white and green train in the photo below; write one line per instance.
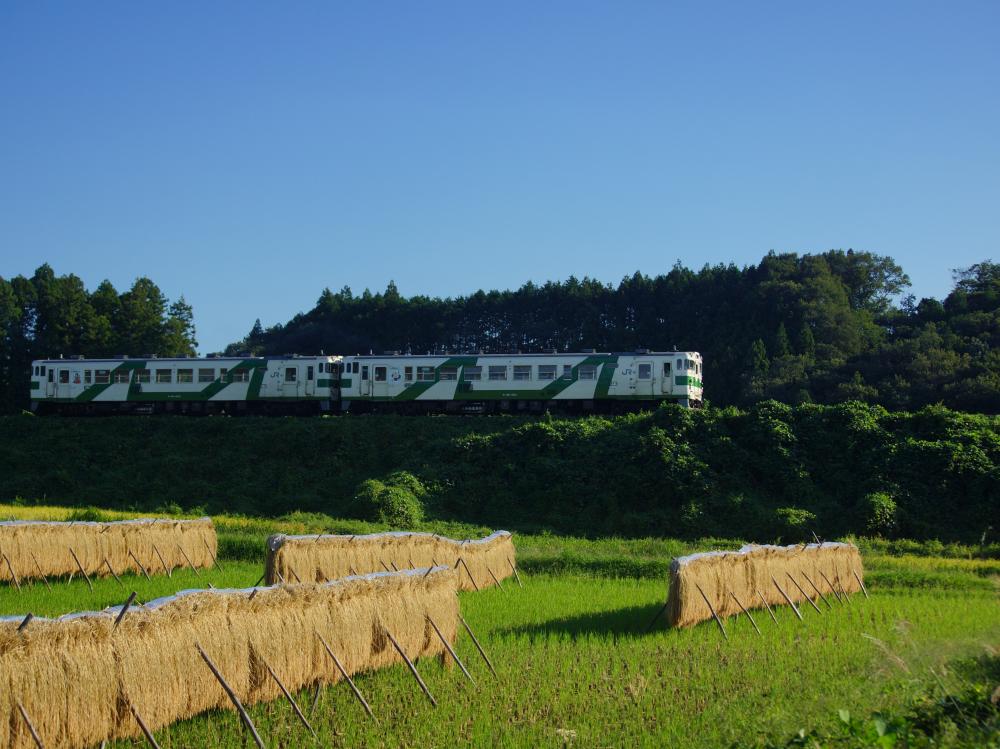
(472, 383)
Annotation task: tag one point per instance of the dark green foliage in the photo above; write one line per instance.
(773, 472)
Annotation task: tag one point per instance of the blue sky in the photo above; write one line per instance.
(248, 154)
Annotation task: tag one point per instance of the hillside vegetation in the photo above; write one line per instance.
(771, 472)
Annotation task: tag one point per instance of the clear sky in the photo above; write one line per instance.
(246, 155)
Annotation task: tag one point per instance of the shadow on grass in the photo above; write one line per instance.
(630, 621)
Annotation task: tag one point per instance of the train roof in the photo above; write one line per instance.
(120, 359)
(392, 355)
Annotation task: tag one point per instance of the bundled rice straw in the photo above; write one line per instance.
(76, 675)
(37, 548)
(327, 557)
(748, 572)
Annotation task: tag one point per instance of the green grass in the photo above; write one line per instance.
(576, 665)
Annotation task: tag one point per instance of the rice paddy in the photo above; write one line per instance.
(577, 666)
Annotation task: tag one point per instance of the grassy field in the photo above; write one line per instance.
(577, 666)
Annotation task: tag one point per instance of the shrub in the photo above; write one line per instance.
(880, 513)
(396, 504)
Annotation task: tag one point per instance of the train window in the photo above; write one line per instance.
(162, 375)
(645, 371)
(666, 369)
(223, 371)
(309, 373)
(364, 372)
(680, 364)
(102, 377)
(522, 371)
(141, 375)
(408, 374)
(588, 372)
(546, 371)
(206, 375)
(52, 375)
(380, 373)
(35, 372)
(472, 373)
(185, 375)
(425, 374)
(64, 377)
(449, 373)
(86, 377)
(241, 375)
(355, 367)
(567, 372)
(121, 375)
(291, 373)
(43, 370)
(498, 372)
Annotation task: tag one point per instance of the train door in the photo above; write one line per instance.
(291, 385)
(667, 377)
(50, 383)
(366, 380)
(644, 378)
(380, 381)
(310, 383)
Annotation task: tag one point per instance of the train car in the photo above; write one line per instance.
(273, 384)
(489, 383)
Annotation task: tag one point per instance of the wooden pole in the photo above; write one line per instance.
(495, 578)
(811, 601)
(394, 567)
(766, 606)
(188, 560)
(170, 572)
(10, 567)
(40, 573)
(856, 577)
(143, 727)
(351, 570)
(259, 581)
(413, 669)
(658, 615)
(478, 646)
(818, 591)
(429, 571)
(315, 701)
(82, 570)
(832, 589)
(843, 591)
(215, 561)
(112, 571)
(288, 696)
(740, 604)
(712, 609)
(136, 560)
(281, 578)
(343, 672)
(384, 566)
(31, 728)
(466, 565)
(25, 622)
(789, 600)
(451, 650)
(232, 696)
(514, 569)
(125, 607)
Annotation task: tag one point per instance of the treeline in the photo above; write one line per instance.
(47, 316)
(797, 328)
(768, 473)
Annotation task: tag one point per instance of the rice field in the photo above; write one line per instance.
(577, 666)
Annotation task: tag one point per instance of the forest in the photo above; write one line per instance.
(798, 328)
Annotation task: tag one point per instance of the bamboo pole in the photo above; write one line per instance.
(466, 565)
(766, 606)
(478, 646)
(232, 696)
(143, 727)
(740, 604)
(13, 576)
(514, 570)
(215, 561)
(125, 607)
(112, 571)
(712, 609)
(82, 570)
(188, 560)
(343, 672)
(856, 577)
(789, 600)
(832, 589)
(25, 622)
(170, 572)
(413, 669)
(451, 650)
(288, 696)
(31, 728)
(495, 578)
(141, 567)
(655, 618)
(40, 573)
(811, 601)
(818, 591)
